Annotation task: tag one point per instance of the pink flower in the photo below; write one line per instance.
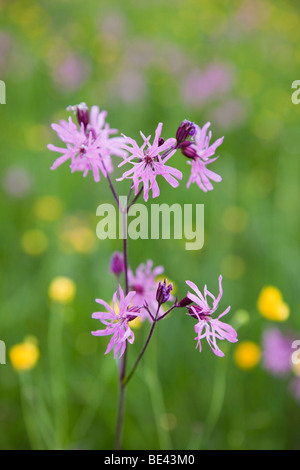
(144, 284)
(150, 163)
(71, 73)
(116, 320)
(200, 151)
(90, 147)
(201, 86)
(277, 352)
(207, 327)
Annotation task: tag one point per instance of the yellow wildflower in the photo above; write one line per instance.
(247, 355)
(48, 208)
(24, 356)
(62, 289)
(34, 242)
(271, 305)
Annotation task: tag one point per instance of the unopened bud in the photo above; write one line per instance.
(184, 302)
(187, 149)
(117, 263)
(186, 129)
(82, 113)
(163, 292)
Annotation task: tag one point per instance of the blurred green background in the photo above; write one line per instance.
(231, 63)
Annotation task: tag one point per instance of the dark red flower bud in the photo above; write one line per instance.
(186, 129)
(187, 149)
(163, 292)
(184, 302)
(82, 113)
(117, 263)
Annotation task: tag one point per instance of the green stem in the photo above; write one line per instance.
(28, 415)
(216, 404)
(57, 374)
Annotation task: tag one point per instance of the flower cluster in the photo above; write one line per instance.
(90, 146)
(145, 301)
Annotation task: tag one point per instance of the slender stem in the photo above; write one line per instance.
(148, 310)
(166, 313)
(120, 417)
(135, 198)
(122, 370)
(112, 187)
(57, 374)
(28, 415)
(126, 380)
(125, 254)
(128, 197)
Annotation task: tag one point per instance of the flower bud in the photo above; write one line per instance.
(82, 113)
(187, 149)
(186, 129)
(184, 302)
(117, 263)
(163, 292)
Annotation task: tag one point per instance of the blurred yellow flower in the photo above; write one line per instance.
(136, 323)
(78, 236)
(233, 267)
(36, 136)
(235, 219)
(271, 305)
(62, 289)
(247, 355)
(34, 242)
(48, 208)
(24, 356)
(168, 421)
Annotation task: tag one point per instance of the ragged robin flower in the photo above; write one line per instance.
(148, 163)
(116, 320)
(143, 282)
(208, 327)
(199, 152)
(90, 146)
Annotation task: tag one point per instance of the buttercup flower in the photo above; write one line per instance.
(62, 289)
(271, 305)
(116, 320)
(25, 355)
(208, 327)
(247, 355)
(90, 147)
(150, 163)
(144, 284)
(200, 152)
